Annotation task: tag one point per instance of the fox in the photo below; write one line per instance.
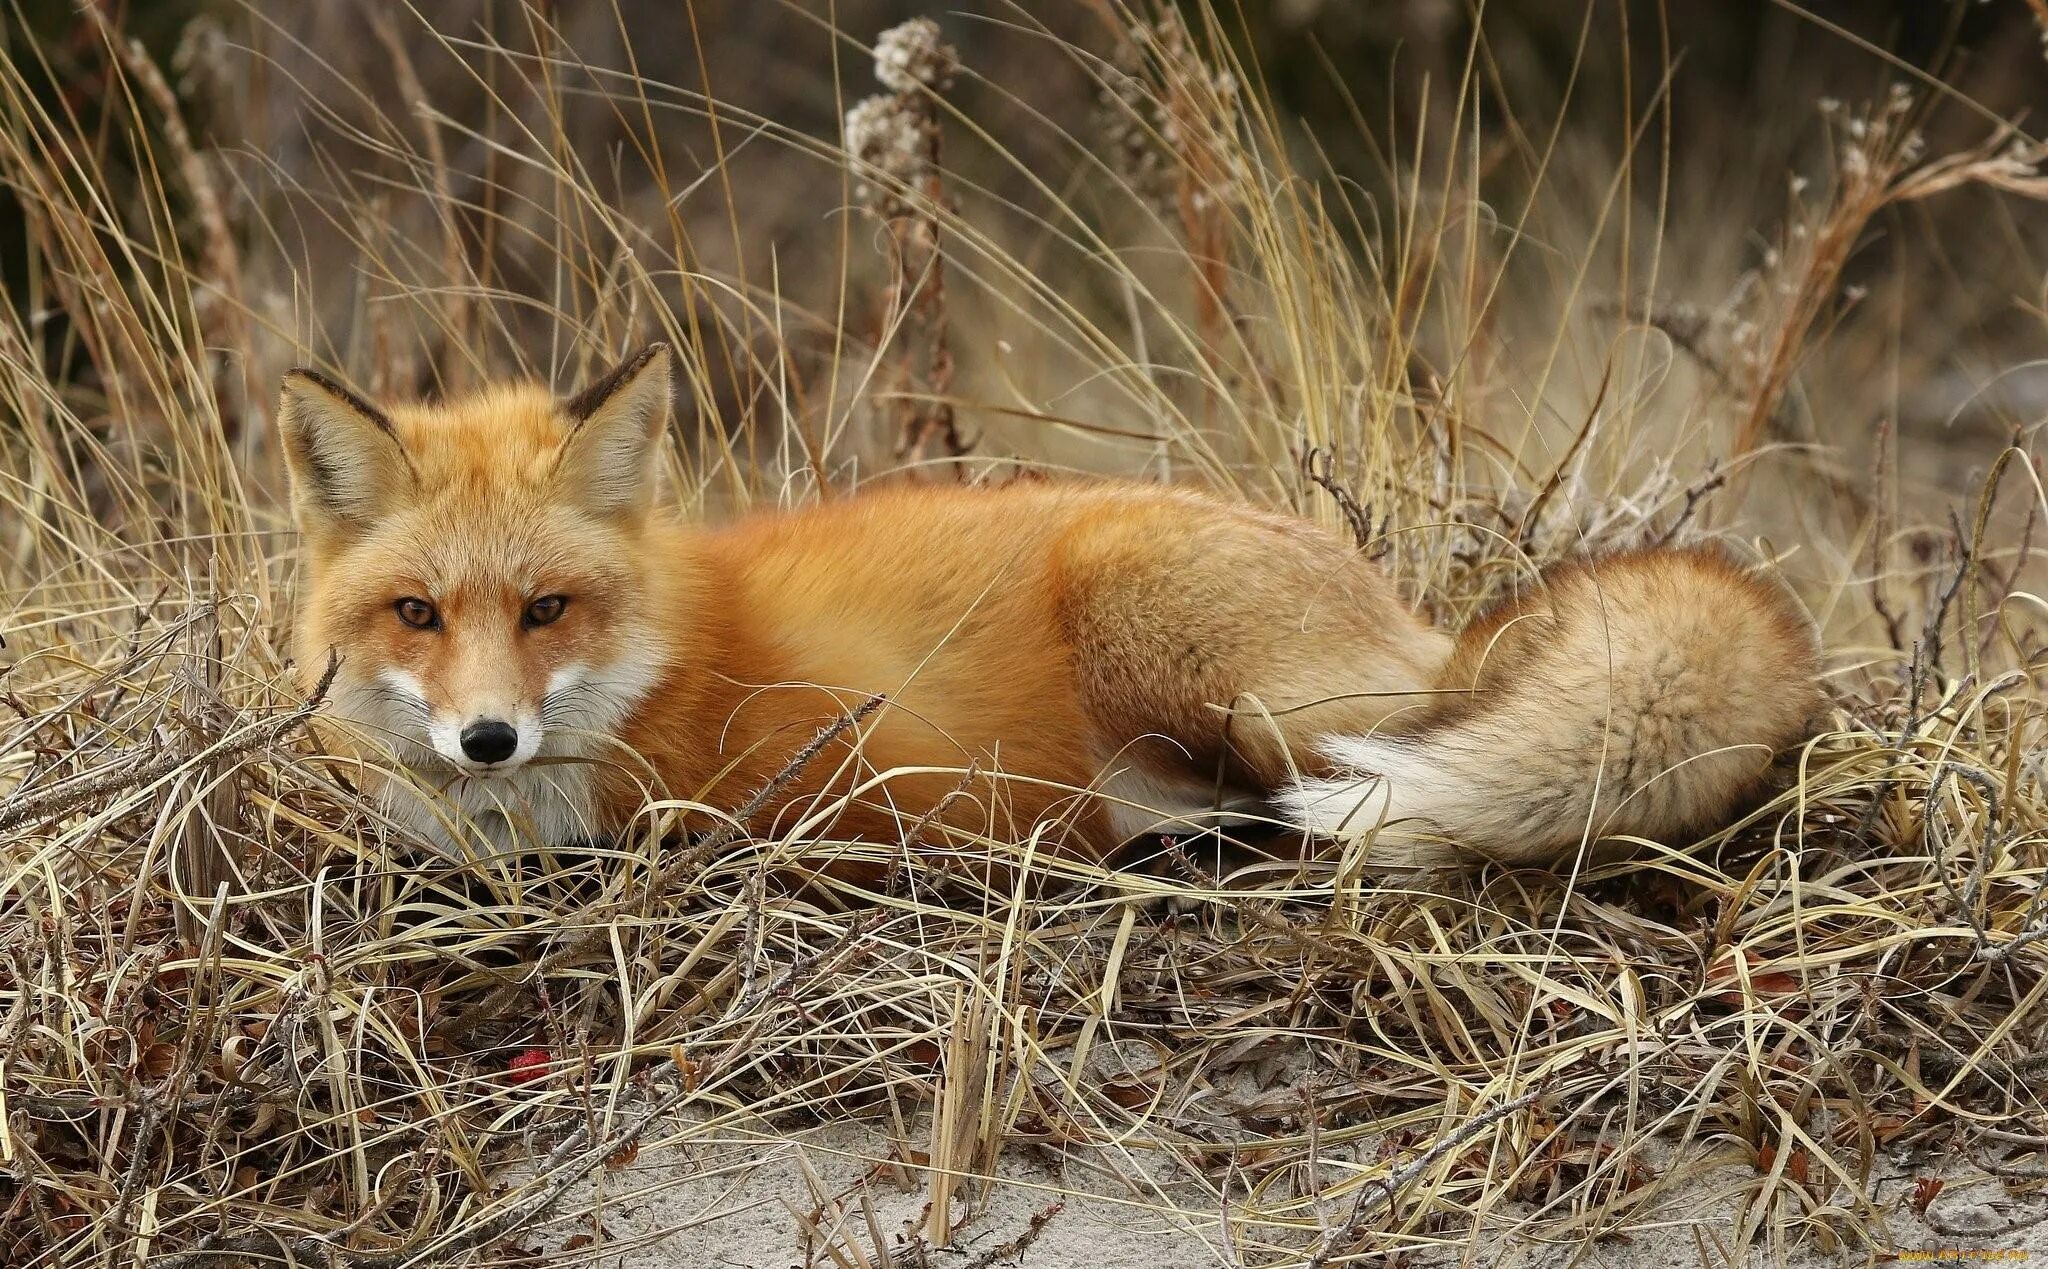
(544, 649)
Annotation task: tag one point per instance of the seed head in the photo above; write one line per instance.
(911, 56)
(887, 135)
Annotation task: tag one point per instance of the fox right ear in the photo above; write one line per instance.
(345, 457)
(615, 425)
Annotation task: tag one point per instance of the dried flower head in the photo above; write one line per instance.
(201, 64)
(889, 138)
(1165, 117)
(911, 56)
(1128, 119)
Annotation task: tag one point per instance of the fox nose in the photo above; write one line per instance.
(489, 740)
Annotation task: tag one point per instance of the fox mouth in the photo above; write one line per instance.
(469, 768)
(486, 770)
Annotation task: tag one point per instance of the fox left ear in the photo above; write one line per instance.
(346, 461)
(615, 423)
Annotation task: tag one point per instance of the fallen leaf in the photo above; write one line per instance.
(1925, 1190)
(1725, 974)
(158, 1060)
(528, 1065)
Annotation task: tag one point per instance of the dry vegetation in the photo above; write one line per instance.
(239, 1014)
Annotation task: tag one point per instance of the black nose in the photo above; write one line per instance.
(488, 740)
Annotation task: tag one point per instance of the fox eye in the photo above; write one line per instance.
(546, 610)
(417, 613)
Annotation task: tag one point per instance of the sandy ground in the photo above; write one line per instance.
(734, 1198)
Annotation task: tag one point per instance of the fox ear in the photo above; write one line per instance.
(615, 423)
(345, 457)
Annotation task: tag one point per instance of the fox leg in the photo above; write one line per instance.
(1217, 648)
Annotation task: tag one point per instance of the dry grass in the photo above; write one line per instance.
(238, 1013)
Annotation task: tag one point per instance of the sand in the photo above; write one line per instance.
(745, 1196)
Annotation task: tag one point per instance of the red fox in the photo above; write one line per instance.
(536, 639)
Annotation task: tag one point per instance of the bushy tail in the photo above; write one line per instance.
(1642, 694)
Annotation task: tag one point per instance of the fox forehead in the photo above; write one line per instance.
(506, 439)
(505, 549)
(482, 514)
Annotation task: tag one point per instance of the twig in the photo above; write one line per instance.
(203, 851)
(920, 832)
(139, 1157)
(1384, 1191)
(2032, 929)
(575, 1157)
(221, 309)
(96, 786)
(1695, 493)
(1318, 463)
(599, 926)
(1938, 617)
(1881, 534)
(1016, 1247)
(722, 837)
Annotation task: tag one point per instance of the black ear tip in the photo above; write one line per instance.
(303, 376)
(306, 374)
(585, 403)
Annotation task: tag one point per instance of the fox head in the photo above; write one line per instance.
(480, 565)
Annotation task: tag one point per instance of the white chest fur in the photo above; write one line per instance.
(545, 802)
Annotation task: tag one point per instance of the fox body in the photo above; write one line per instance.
(545, 650)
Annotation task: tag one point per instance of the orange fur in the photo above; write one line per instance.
(1155, 645)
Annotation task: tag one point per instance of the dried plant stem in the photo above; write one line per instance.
(896, 141)
(222, 308)
(583, 1151)
(147, 766)
(596, 928)
(1382, 1192)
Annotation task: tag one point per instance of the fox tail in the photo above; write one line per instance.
(1638, 695)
